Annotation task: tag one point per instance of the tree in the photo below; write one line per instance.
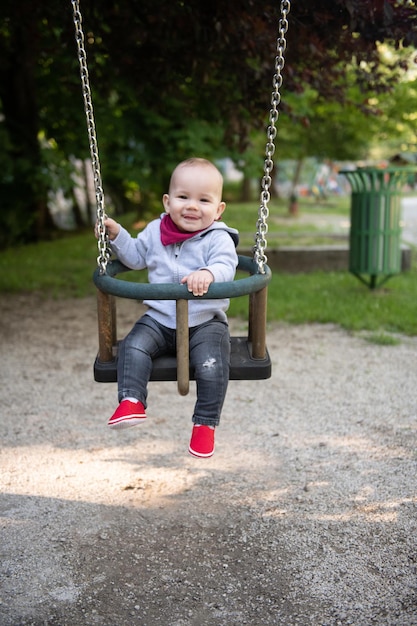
(31, 99)
(313, 127)
(159, 71)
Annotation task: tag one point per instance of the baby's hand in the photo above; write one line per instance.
(198, 282)
(111, 226)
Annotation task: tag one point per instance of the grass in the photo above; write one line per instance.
(59, 268)
(339, 298)
(382, 339)
(63, 268)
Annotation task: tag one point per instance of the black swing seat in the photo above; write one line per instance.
(242, 365)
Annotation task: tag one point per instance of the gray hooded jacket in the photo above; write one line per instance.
(213, 249)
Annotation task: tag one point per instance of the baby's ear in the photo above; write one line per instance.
(165, 202)
(220, 210)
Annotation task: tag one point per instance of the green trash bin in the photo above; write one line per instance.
(375, 228)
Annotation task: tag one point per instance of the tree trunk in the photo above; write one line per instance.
(26, 205)
(77, 213)
(293, 204)
(246, 191)
(89, 182)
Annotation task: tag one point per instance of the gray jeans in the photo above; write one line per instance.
(209, 356)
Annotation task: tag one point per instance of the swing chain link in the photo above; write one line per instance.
(102, 236)
(263, 212)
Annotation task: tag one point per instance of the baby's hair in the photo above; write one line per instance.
(198, 161)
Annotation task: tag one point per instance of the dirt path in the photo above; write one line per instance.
(306, 514)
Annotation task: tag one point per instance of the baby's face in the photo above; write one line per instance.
(194, 199)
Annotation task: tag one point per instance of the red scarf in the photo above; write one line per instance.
(170, 233)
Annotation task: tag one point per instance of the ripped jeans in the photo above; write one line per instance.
(209, 357)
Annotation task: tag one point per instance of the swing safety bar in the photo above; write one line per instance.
(249, 356)
(172, 291)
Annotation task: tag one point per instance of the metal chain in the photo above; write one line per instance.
(103, 240)
(263, 212)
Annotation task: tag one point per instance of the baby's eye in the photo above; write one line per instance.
(182, 196)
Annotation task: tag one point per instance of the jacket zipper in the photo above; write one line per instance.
(177, 251)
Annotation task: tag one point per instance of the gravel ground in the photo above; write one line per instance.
(305, 515)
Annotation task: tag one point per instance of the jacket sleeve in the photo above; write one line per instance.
(131, 250)
(222, 258)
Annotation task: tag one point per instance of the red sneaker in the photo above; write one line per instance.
(202, 441)
(127, 414)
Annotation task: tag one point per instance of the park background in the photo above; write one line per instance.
(196, 79)
(306, 514)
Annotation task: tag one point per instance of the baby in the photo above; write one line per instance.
(189, 245)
